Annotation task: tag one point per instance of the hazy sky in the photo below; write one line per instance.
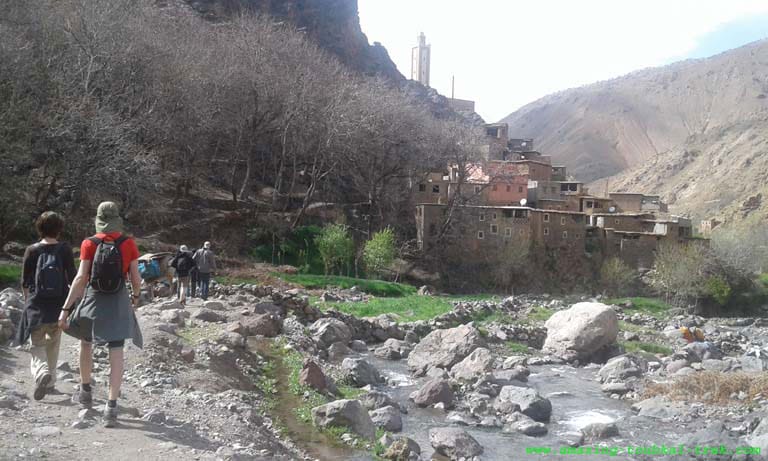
(506, 53)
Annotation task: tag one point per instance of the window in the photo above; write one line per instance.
(589, 204)
(508, 232)
(477, 189)
(562, 220)
(598, 205)
(520, 189)
(422, 187)
(494, 216)
(546, 231)
(480, 235)
(494, 229)
(507, 213)
(493, 188)
(546, 217)
(565, 234)
(509, 188)
(482, 216)
(577, 235)
(436, 189)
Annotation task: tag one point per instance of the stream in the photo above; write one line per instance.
(576, 402)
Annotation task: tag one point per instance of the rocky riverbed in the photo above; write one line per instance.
(261, 373)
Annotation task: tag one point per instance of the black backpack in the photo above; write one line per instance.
(49, 275)
(107, 271)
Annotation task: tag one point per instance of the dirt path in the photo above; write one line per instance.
(168, 410)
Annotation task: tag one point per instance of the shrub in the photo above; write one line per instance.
(616, 277)
(379, 252)
(719, 289)
(336, 247)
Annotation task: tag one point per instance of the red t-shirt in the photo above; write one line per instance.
(128, 249)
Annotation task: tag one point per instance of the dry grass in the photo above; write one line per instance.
(712, 387)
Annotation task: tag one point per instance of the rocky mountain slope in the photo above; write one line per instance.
(333, 24)
(693, 131)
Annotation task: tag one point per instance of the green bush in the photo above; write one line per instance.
(719, 289)
(9, 274)
(616, 277)
(379, 252)
(336, 248)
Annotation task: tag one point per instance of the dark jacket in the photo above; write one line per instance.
(40, 311)
(183, 262)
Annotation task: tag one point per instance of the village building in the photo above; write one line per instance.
(515, 194)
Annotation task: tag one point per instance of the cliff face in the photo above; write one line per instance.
(693, 131)
(333, 24)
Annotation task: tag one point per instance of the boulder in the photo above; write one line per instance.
(598, 431)
(657, 407)
(268, 325)
(327, 331)
(525, 400)
(518, 373)
(618, 369)
(474, 365)
(675, 365)
(714, 435)
(338, 351)
(359, 372)
(402, 449)
(358, 346)
(387, 418)
(432, 392)
(312, 375)
(444, 348)
(584, 329)
(698, 351)
(207, 315)
(214, 305)
(373, 400)
(174, 316)
(454, 443)
(525, 425)
(393, 349)
(268, 308)
(345, 413)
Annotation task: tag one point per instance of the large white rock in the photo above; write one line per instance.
(345, 413)
(474, 365)
(454, 443)
(444, 348)
(584, 328)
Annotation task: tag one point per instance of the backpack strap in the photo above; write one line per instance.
(120, 241)
(95, 240)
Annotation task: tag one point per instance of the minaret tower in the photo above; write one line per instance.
(420, 61)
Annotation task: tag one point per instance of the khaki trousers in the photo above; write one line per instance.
(183, 285)
(45, 351)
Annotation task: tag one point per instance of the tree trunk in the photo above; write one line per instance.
(246, 181)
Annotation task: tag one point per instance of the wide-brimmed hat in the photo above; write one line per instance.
(108, 218)
(207, 245)
(183, 248)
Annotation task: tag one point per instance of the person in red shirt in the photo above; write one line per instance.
(106, 312)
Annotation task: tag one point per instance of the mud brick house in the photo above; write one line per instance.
(515, 194)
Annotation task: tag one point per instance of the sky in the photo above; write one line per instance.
(507, 53)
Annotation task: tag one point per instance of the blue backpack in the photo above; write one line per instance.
(149, 269)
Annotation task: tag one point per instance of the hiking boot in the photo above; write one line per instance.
(82, 397)
(41, 386)
(110, 416)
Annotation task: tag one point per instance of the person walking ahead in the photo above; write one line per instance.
(206, 264)
(105, 314)
(48, 271)
(183, 262)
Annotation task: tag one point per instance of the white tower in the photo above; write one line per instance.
(420, 61)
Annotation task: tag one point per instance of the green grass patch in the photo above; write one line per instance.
(763, 278)
(637, 346)
(228, 280)
(516, 348)
(626, 326)
(198, 334)
(537, 314)
(408, 308)
(373, 287)
(484, 318)
(650, 306)
(10, 273)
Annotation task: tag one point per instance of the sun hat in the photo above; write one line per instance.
(207, 245)
(183, 248)
(108, 218)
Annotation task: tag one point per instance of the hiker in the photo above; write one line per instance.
(692, 334)
(48, 271)
(183, 262)
(206, 265)
(105, 314)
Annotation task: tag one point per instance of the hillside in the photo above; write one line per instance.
(693, 131)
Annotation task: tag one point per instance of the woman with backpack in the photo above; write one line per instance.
(106, 312)
(48, 271)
